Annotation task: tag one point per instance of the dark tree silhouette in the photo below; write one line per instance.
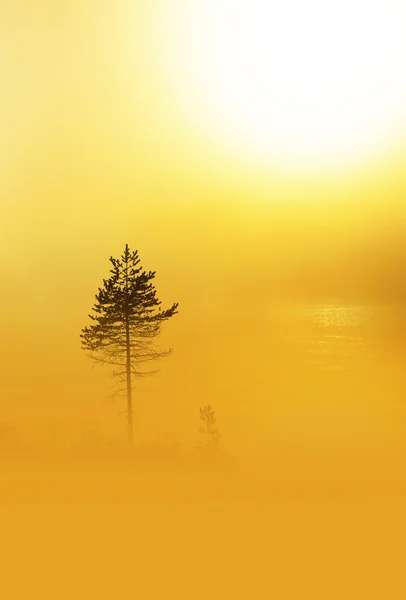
(210, 433)
(127, 318)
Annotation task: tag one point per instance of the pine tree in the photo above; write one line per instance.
(211, 434)
(127, 318)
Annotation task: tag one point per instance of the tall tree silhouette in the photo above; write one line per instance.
(127, 318)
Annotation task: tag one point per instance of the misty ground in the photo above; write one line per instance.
(283, 525)
(306, 500)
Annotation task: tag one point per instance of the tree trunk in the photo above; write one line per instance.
(129, 387)
(130, 423)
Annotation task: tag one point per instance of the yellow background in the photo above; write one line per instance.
(94, 153)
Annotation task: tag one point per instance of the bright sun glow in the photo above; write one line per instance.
(296, 83)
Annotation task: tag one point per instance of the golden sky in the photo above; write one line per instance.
(104, 143)
(253, 151)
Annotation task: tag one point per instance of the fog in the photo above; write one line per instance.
(100, 520)
(291, 325)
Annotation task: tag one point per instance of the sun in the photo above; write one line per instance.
(294, 83)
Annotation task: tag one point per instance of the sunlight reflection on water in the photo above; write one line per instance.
(339, 316)
(340, 372)
(336, 336)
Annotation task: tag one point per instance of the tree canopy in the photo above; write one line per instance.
(126, 319)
